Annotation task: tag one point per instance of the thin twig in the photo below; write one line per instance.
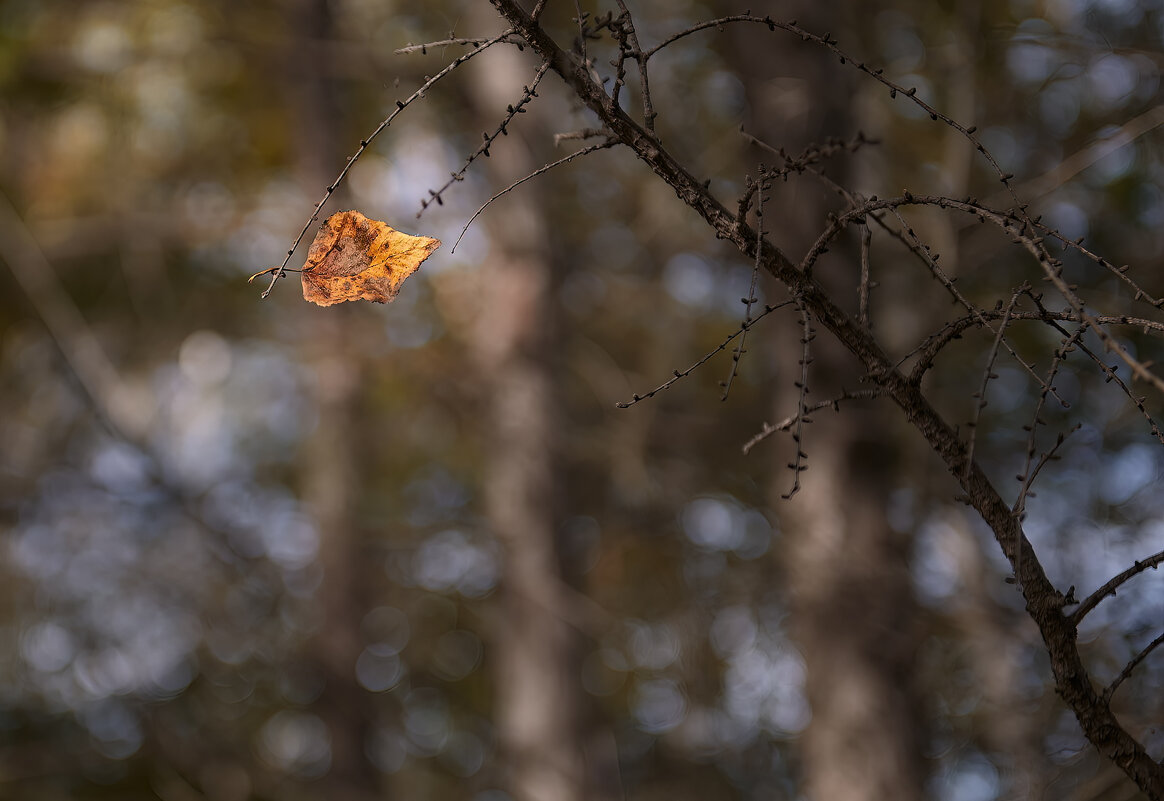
(738, 352)
(1128, 668)
(423, 48)
(812, 156)
(932, 345)
(922, 251)
(1120, 273)
(1111, 377)
(1052, 454)
(865, 285)
(787, 423)
(539, 171)
(702, 26)
(528, 94)
(797, 465)
(988, 372)
(676, 375)
(580, 18)
(636, 53)
(1092, 601)
(1027, 476)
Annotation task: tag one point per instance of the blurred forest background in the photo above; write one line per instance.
(265, 550)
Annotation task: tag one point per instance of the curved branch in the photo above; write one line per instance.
(1092, 601)
(540, 170)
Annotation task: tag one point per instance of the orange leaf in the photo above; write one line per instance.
(353, 257)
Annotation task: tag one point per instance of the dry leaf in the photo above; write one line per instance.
(353, 257)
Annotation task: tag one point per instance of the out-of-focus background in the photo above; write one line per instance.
(264, 550)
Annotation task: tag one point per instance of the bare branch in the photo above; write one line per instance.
(1128, 668)
(1108, 589)
(1027, 476)
(922, 251)
(797, 465)
(1044, 603)
(928, 350)
(769, 429)
(423, 48)
(539, 171)
(988, 373)
(738, 353)
(680, 374)
(527, 95)
(865, 284)
(636, 52)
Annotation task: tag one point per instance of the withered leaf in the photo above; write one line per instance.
(354, 257)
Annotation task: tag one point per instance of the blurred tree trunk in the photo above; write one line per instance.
(537, 692)
(330, 475)
(854, 615)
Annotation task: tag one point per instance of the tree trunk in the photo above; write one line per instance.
(537, 693)
(330, 469)
(853, 612)
(854, 616)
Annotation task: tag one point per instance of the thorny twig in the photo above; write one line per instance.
(813, 155)
(931, 260)
(739, 351)
(676, 375)
(769, 429)
(988, 373)
(1027, 476)
(627, 25)
(1108, 371)
(528, 94)
(424, 48)
(797, 465)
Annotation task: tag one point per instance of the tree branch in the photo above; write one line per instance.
(1092, 601)
(1043, 602)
